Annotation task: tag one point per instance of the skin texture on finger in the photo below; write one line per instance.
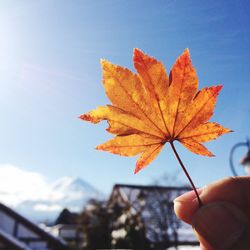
(235, 190)
(241, 244)
(222, 224)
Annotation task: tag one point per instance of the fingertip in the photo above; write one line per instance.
(185, 210)
(186, 205)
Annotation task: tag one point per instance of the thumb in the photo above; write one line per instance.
(221, 225)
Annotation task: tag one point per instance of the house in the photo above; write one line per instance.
(71, 233)
(68, 228)
(152, 208)
(17, 232)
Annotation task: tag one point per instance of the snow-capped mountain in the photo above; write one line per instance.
(71, 188)
(31, 194)
(67, 192)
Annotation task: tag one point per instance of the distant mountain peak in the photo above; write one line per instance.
(76, 184)
(62, 182)
(67, 192)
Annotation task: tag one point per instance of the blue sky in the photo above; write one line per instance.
(50, 74)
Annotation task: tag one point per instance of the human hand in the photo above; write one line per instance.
(223, 222)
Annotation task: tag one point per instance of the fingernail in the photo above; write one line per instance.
(202, 247)
(220, 224)
(187, 197)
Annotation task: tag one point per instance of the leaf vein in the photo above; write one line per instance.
(158, 104)
(196, 114)
(138, 106)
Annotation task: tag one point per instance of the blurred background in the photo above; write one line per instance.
(50, 74)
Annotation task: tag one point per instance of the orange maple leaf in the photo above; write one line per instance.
(150, 109)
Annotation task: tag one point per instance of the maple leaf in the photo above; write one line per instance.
(151, 108)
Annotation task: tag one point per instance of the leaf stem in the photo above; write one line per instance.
(187, 174)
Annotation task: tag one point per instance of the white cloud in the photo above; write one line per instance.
(18, 185)
(48, 208)
(29, 192)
